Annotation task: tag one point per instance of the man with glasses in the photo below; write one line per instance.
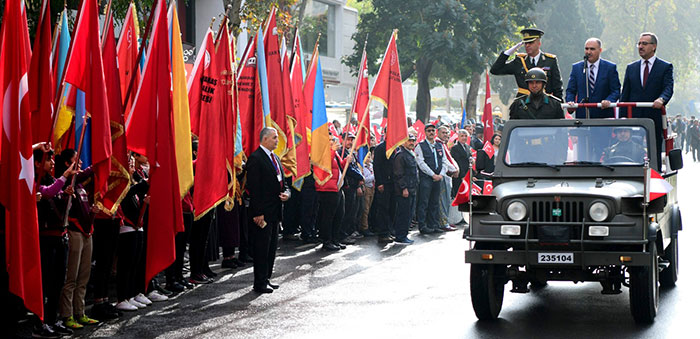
(649, 79)
(523, 62)
(431, 160)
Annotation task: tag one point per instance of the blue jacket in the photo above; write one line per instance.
(607, 87)
(659, 85)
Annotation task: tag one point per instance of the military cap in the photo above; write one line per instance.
(531, 34)
(429, 125)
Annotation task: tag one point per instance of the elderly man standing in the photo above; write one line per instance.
(431, 159)
(267, 192)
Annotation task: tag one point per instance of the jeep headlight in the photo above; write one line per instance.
(516, 210)
(598, 211)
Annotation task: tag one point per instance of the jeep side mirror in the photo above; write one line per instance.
(675, 158)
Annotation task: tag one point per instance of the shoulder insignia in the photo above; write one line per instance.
(550, 55)
(522, 55)
(555, 98)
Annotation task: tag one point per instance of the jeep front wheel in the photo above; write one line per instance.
(644, 289)
(487, 285)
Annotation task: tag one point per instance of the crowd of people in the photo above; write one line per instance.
(377, 197)
(687, 132)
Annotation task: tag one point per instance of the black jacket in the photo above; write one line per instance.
(461, 156)
(382, 166)
(263, 187)
(405, 171)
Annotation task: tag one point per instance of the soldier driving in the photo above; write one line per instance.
(537, 104)
(524, 62)
(626, 149)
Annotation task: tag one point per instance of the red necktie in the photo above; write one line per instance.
(274, 163)
(646, 73)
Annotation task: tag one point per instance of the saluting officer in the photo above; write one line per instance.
(536, 105)
(524, 62)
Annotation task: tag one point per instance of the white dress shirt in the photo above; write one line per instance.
(641, 68)
(271, 156)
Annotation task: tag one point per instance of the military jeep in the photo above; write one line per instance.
(570, 203)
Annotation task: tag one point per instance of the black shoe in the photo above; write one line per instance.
(312, 240)
(209, 273)
(342, 247)
(348, 241)
(385, 240)
(291, 237)
(163, 291)
(245, 258)
(367, 233)
(238, 262)
(175, 287)
(228, 263)
(104, 311)
(329, 246)
(199, 279)
(45, 331)
(273, 286)
(262, 289)
(186, 284)
(60, 329)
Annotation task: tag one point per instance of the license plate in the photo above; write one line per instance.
(555, 258)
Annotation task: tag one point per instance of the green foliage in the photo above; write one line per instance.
(676, 25)
(254, 14)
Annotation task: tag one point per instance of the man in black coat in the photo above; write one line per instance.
(405, 171)
(267, 191)
(383, 195)
(461, 152)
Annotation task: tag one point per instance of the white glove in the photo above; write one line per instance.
(512, 50)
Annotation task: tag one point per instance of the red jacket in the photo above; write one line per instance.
(337, 165)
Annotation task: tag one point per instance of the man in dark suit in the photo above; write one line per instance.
(267, 191)
(478, 137)
(600, 77)
(461, 152)
(646, 80)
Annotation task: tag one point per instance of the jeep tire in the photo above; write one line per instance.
(487, 285)
(644, 289)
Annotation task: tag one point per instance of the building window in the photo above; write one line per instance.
(319, 17)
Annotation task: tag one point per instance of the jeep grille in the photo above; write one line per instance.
(561, 211)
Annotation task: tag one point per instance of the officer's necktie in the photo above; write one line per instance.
(532, 62)
(591, 77)
(646, 73)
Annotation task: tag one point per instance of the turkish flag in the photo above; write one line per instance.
(388, 90)
(488, 149)
(488, 187)
(22, 256)
(474, 159)
(476, 189)
(463, 192)
(150, 131)
(487, 116)
(656, 185)
(420, 128)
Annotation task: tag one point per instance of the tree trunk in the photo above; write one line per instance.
(473, 94)
(423, 68)
(234, 14)
(447, 99)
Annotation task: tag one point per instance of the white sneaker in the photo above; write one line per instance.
(136, 303)
(142, 299)
(126, 306)
(155, 296)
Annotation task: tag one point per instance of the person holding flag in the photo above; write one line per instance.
(406, 182)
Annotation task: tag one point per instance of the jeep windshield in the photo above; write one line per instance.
(560, 146)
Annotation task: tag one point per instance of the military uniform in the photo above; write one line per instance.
(627, 149)
(522, 63)
(530, 107)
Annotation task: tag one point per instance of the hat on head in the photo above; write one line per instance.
(531, 34)
(349, 135)
(411, 136)
(479, 129)
(430, 124)
(536, 74)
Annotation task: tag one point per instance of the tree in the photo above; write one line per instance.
(676, 25)
(460, 35)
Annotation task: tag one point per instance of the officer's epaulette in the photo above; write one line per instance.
(550, 55)
(553, 97)
(522, 55)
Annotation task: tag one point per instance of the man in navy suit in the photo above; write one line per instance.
(600, 77)
(267, 191)
(646, 80)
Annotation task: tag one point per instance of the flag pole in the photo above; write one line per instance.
(362, 123)
(141, 51)
(108, 15)
(74, 164)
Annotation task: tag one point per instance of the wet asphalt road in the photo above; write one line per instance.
(415, 291)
